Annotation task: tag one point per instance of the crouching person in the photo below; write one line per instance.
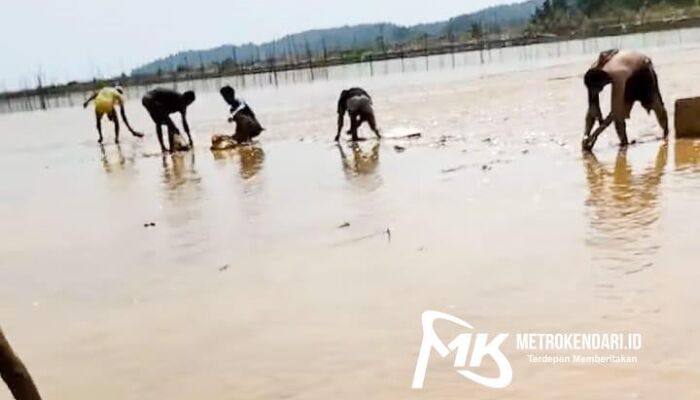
(247, 125)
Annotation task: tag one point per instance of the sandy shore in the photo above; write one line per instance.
(248, 287)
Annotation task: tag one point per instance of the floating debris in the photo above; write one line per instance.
(399, 149)
(345, 225)
(386, 233)
(224, 268)
(453, 169)
(149, 225)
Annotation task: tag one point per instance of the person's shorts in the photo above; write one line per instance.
(104, 106)
(359, 105)
(643, 86)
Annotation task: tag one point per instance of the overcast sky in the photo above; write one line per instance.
(78, 39)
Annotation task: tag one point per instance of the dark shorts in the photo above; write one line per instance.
(247, 128)
(361, 105)
(643, 86)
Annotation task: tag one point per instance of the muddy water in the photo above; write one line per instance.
(247, 288)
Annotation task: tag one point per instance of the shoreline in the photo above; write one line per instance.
(45, 93)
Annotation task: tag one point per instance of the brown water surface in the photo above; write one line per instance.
(247, 288)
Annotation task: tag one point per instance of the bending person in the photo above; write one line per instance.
(357, 103)
(106, 100)
(15, 374)
(160, 103)
(633, 79)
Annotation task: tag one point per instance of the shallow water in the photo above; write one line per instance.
(248, 288)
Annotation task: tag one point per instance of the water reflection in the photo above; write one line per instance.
(251, 159)
(179, 171)
(624, 210)
(112, 163)
(361, 167)
(687, 155)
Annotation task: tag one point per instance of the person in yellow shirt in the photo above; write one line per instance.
(15, 374)
(106, 101)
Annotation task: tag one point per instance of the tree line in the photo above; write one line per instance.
(558, 16)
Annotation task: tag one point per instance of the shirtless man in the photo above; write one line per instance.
(633, 79)
(357, 103)
(106, 100)
(15, 374)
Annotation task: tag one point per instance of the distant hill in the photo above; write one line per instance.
(346, 38)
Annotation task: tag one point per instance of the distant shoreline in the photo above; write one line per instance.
(47, 92)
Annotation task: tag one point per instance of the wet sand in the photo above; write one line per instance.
(247, 287)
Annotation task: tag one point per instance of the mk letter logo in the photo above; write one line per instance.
(462, 345)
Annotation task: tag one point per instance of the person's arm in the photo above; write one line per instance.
(589, 140)
(126, 121)
(90, 99)
(185, 125)
(341, 113)
(594, 114)
(15, 374)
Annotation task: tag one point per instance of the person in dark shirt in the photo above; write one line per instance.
(161, 103)
(357, 103)
(247, 125)
(237, 105)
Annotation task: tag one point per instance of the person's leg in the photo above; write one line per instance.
(15, 374)
(153, 109)
(662, 118)
(659, 107)
(621, 128)
(369, 117)
(242, 134)
(172, 131)
(98, 119)
(647, 92)
(354, 126)
(115, 120)
(159, 134)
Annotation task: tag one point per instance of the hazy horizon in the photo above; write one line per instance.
(83, 39)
